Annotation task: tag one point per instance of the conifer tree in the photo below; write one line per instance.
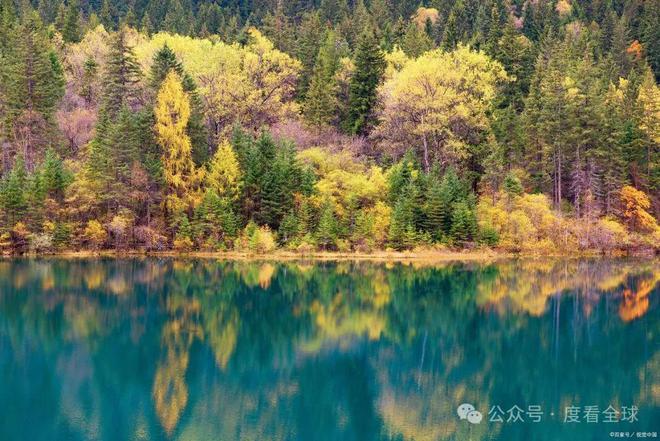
(307, 48)
(48, 10)
(54, 177)
(224, 175)
(463, 222)
(165, 61)
(320, 102)
(326, 232)
(146, 27)
(402, 226)
(650, 35)
(90, 77)
(12, 193)
(436, 209)
(369, 70)
(33, 85)
(182, 177)
(416, 41)
(122, 76)
(455, 28)
(60, 17)
(71, 31)
(106, 15)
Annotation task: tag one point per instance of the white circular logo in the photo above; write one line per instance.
(464, 409)
(474, 417)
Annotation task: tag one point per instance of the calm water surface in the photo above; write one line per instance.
(159, 349)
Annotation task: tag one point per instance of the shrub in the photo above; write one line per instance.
(120, 227)
(489, 236)
(150, 239)
(41, 243)
(262, 240)
(635, 205)
(608, 234)
(95, 235)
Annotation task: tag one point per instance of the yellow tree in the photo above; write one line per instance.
(439, 102)
(252, 84)
(183, 179)
(224, 174)
(635, 204)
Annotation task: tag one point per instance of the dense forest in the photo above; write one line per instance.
(523, 125)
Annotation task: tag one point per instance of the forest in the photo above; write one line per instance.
(335, 125)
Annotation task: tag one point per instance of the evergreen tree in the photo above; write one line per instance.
(32, 87)
(130, 20)
(436, 209)
(512, 185)
(71, 31)
(54, 177)
(326, 232)
(146, 27)
(60, 17)
(106, 15)
(122, 76)
(176, 20)
(369, 70)
(416, 41)
(12, 195)
(456, 26)
(48, 10)
(494, 34)
(320, 107)
(289, 228)
(402, 233)
(124, 152)
(307, 48)
(463, 222)
(651, 35)
(89, 79)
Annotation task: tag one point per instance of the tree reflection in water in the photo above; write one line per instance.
(201, 349)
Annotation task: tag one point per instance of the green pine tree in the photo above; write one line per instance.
(326, 232)
(106, 15)
(32, 86)
(369, 70)
(416, 41)
(402, 231)
(12, 193)
(463, 222)
(320, 106)
(71, 31)
(122, 76)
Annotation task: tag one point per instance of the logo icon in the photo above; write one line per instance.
(466, 411)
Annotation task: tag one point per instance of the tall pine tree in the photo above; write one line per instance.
(369, 70)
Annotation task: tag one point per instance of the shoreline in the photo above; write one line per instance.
(322, 256)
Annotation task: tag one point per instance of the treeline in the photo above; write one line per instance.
(338, 126)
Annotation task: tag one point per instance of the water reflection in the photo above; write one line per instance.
(207, 350)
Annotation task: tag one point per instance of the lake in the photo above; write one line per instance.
(187, 349)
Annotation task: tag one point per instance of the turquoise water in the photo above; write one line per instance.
(159, 349)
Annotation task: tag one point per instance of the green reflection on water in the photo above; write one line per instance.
(204, 350)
